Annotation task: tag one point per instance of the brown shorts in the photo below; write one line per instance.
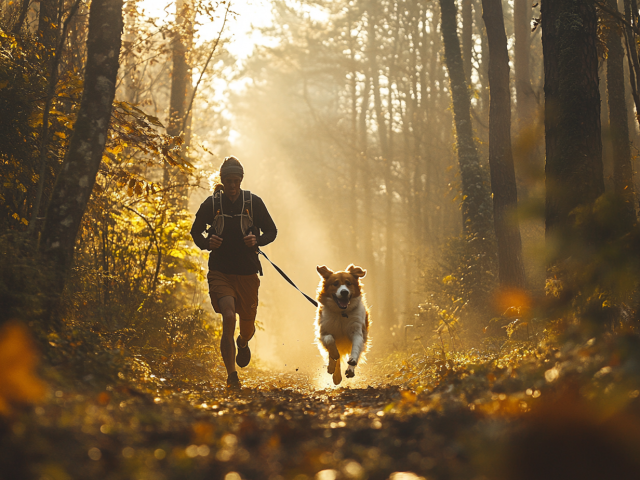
(243, 288)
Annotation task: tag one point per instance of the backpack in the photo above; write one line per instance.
(246, 217)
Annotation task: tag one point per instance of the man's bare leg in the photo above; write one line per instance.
(247, 329)
(227, 345)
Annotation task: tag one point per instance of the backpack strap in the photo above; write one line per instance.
(248, 203)
(246, 217)
(215, 198)
(218, 213)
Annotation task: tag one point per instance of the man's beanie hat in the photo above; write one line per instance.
(231, 167)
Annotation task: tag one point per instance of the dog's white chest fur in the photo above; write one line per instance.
(339, 323)
(342, 332)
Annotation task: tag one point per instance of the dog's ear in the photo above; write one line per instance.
(356, 271)
(324, 271)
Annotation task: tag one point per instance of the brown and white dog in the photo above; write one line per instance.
(342, 319)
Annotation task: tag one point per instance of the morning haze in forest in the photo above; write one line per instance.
(477, 157)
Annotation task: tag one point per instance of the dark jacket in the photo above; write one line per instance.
(233, 256)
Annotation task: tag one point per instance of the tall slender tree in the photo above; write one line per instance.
(483, 74)
(503, 177)
(618, 118)
(525, 97)
(48, 24)
(354, 168)
(77, 178)
(128, 42)
(385, 148)
(572, 109)
(477, 212)
(181, 74)
(22, 16)
(367, 177)
(467, 37)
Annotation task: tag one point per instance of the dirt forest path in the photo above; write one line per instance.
(280, 426)
(293, 429)
(406, 416)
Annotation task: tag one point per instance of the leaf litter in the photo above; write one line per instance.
(407, 415)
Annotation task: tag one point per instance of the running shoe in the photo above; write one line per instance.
(233, 382)
(244, 354)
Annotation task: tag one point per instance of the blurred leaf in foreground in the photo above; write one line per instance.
(18, 359)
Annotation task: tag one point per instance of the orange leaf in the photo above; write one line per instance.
(18, 360)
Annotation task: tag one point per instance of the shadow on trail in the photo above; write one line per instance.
(280, 426)
(478, 421)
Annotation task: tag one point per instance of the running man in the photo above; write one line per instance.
(237, 223)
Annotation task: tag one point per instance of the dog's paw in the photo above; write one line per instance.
(352, 362)
(350, 372)
(337, 377)
(331, 367)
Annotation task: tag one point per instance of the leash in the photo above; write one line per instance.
(284, 275)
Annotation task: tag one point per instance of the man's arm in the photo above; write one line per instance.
(204, 217)
(264, 222)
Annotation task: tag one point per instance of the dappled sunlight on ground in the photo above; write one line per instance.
(468, 415)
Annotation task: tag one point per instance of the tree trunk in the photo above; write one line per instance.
(44, 133)
(48, 23)
(503, 178)
(483, 74)
(353, 187)
(367, 183)
(619, 126)
(375, 84)
(390, 267)
(24, 9)
(607, 160)
(180, 80)
(384, 148)
(430, 59)
(77, 178)
(476, 204)
(631, 109)
(525, 97)
(572, 109)
(631, 17)
(390, 220)
(631, 61)
(467, 37)
(129, 39)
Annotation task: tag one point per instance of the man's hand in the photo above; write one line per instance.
(250, 240)
(214, 242)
